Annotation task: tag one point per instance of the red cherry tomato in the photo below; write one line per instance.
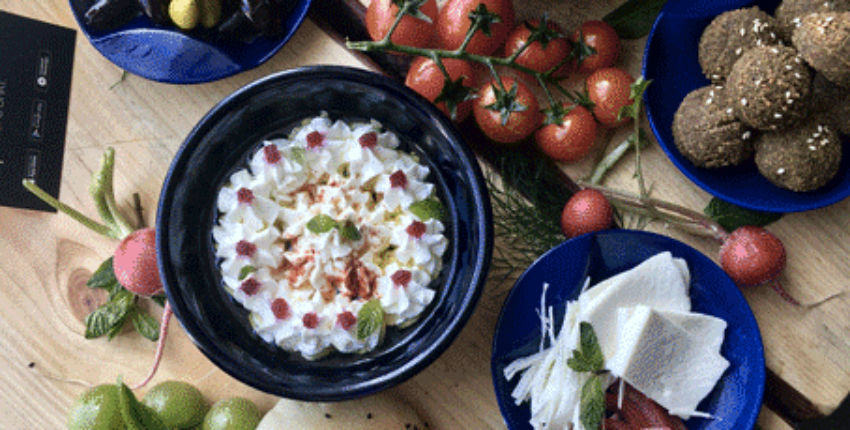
(544, 53)
(603, 39)
(426, 79)
(522, 120)
(411, 31)
(609, 89)
(570, 139)
(453, 23)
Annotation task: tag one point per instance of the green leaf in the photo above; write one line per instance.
(369, 319)
(109, 318)
(592, 405)
(136, 415)
(349, 231)
(634, 19)
(321, 224)
(159, 299)
(245, 271)
(588, 357)
(146, 325)
(103, 277)
(636, 91)
(428, 209)
(298, 155)
(730, 216)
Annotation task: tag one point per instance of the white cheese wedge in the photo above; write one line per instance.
(660, 282)
(705, 328)
(666, 362)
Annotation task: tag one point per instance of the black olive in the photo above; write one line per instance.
(156, 10)
(110, 14)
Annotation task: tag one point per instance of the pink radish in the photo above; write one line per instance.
(752, 256)
(135, 263)
(587, 211)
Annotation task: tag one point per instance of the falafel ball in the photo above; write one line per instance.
(707, 132)
(730, 35)
(800, 159)
(833, 101)
(790, 13)
(823, 40)
(770, 88)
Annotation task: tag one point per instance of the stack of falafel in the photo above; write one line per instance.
(780, 89)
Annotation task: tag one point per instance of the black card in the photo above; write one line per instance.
(36, 62)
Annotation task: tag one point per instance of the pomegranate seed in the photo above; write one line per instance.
(310, 320)
(398, 179)
(250, 286)
(416, 229)
(272, 154)
(368, 140)
(401, 278)
(280, 309)
(315, 140)
(346, 320)
(245, 196)
(245, 248)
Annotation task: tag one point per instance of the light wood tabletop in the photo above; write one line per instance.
(45, 259)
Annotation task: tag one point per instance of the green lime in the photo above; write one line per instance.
(235, 413)
(179, 404)
(97, 409)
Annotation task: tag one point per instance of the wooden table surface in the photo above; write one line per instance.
(45, 259)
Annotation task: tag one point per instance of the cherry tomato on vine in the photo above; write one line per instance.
(603, 39)
(453, 23)
(381, 14)
(542, 54)
(609, 89)
(426, 79)
(568, 136)
(509, 115)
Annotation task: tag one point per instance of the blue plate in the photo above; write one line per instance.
(735, 401)
(165, 54)
(671, 62)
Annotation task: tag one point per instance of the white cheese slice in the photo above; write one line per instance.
(660, 282)
(704, 328)
(664, 361)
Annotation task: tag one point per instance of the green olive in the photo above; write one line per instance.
(184, 13)
(179, 404)
(210, 12)
(97, 409)
(235, 413)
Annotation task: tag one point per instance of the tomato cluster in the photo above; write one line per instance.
(506, 109)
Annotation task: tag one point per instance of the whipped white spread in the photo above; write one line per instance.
(323, 222)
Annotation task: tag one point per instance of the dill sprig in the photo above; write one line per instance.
(525, 219)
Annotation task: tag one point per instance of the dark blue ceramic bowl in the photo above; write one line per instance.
(221, 143)
(166, 54)
(671, 62)
(735, 401)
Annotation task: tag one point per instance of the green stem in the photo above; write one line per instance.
(603, 166)
(107, 168)
(73, 213)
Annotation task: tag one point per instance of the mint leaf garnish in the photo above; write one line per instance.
(427, 209)
(349, 231)
(245, 271)
(369, 319)
(298, 155)
(636, 93)
(588, 357)
(592, 405)
(321, 224)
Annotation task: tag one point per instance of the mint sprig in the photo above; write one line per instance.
(427, 209)
(121, 306)
(588, 357)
